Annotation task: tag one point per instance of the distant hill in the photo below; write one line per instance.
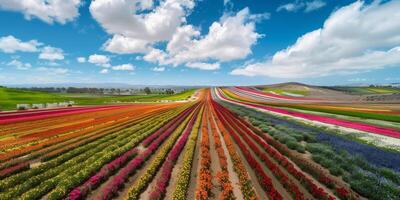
(330, 92)
(99, 85)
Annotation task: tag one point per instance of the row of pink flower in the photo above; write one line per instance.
(14, 169)
(149, 139)
(81, 191)
(93, 182)
(328, 120)
(111, 188)
(166, 170)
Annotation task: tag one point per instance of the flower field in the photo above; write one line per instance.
(216, 147)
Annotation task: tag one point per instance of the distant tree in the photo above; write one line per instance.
(169, 91)
(147, 90)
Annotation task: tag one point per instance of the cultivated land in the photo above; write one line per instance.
(9, 98)
(286, 141)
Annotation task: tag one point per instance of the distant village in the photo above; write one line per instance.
(107, 91)
(25, 106)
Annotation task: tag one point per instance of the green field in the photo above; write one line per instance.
(9, 98)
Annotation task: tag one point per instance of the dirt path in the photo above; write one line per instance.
(175, 171)
(191, 193)
(307, 195)
(96, 193)
(215, 165)
(146, 194)
(307, 156)
(232, 174)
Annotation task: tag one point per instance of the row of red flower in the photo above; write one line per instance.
(264, 179)
(223, 175)
(283, 178)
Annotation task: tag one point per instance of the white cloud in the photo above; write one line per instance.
(124, 67)
(297, 5)
(129, 24)
(137, 26)
(55, 71)
(49, 11)
(123, 45)
(104, 71)
(156, 55)
(10, 44)
(203, 66)
(100, 60)
(355, 38)
(314, 5)
(158, 69)
(229, 39)
(51, 53)
(19, 65)
(81, 59)
(290, 7)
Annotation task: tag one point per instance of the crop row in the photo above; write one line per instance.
(91, 156)
(142, 182)
(50, 152)
(183, 179)
(62, 130)
(264, 179)
(223, 175)
(161, 183)
(42, 143)
(246, 185)
(106, 171)
(204, 182)
(341, 156)
(285, 180)
(113, 185)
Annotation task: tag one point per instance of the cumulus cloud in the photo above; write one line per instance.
(49, 11)
(134, 29)
(124, 67)
(137, 26)
(158, 69)
(355, 38)
(19, 65)
(229, 39)
(123, 45)
(156, 55)
(203, 66)
(51, 53)
(10, 44)
(100, 60)
(297, 5)
(81, 59)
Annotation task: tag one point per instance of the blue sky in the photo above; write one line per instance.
(189, 42)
